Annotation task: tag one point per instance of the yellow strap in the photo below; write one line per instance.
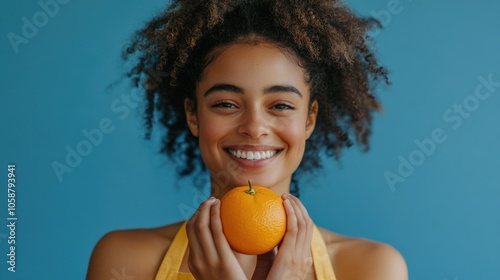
(169, 268)
(170, 265)
(321, 259)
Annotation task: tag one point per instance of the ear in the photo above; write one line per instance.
(311, 118)
(192, 119)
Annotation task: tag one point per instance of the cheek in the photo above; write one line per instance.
(209, 131)
(292, 132)
(208, 137)
(212, 130)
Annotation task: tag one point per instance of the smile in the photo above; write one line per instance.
(253, 155)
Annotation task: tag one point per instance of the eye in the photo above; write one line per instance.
(283, 106)
(224, 105)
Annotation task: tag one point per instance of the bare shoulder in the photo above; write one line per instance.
(357, 258)
(130, 253)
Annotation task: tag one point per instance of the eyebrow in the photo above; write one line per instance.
(282, 88)
(224, 87)
(238, 90)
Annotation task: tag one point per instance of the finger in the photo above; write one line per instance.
(221, 245)
(304, 223)
(200, 230)
(301, 226)
(193, 242)
(203, 231)
(286, 249)
(301, 207)
(291, 226)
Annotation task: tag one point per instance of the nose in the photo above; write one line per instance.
(254, 123)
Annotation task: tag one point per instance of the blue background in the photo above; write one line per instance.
(444, 217)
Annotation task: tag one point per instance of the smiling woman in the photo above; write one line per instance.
(265, 86)
(252, 99)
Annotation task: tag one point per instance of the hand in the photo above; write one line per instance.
(210, 256)
(293, 259)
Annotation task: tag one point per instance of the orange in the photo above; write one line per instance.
(253, 219)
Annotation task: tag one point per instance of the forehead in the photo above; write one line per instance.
(256, 62)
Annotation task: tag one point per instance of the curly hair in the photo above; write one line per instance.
(331, 42)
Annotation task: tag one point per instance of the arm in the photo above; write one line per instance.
(123, 255)
(367, 260)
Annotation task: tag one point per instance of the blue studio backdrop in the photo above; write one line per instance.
(429, 185)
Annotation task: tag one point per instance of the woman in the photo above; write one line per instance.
(253, 90)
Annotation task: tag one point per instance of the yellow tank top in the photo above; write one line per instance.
(169, 268)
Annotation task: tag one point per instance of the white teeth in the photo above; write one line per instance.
(252, 155)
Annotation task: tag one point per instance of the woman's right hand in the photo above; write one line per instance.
(210, 256)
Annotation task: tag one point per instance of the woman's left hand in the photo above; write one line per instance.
(293, 259)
